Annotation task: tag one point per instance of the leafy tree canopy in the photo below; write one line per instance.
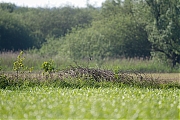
(164, 30)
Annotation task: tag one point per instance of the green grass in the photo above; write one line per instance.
(36, 96)
(61, 62)
(89, 103)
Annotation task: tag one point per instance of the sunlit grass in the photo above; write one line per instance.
(89, 103)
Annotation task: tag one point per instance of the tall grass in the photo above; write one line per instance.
(62, 62)
(140, 65)
(31, 60)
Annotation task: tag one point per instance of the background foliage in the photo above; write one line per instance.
(118, 29)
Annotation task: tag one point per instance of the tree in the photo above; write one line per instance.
(125, 31)
(38, 24)
(7, 7)
(54, 22)
(116, 34)
(164, 31)
(13, 34)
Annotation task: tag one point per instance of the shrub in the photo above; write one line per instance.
(48, 66)
(19, 64)
(3, 81)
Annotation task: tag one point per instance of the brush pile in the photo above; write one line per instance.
(104, 75)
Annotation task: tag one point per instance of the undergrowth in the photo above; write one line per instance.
(78, 77)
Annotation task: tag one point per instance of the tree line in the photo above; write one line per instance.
(120, 28)
(24, 28)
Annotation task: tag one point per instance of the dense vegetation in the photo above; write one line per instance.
(130, 29)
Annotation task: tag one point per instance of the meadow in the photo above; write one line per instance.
(89, 103)
(62, 62)
(111, 89)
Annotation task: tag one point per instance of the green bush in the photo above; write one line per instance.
(3, 82)
(48, 66)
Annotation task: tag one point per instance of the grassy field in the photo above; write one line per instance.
(35, 60)
(89, 103)
(108, 89)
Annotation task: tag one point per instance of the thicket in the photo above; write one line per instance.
(119, 29)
